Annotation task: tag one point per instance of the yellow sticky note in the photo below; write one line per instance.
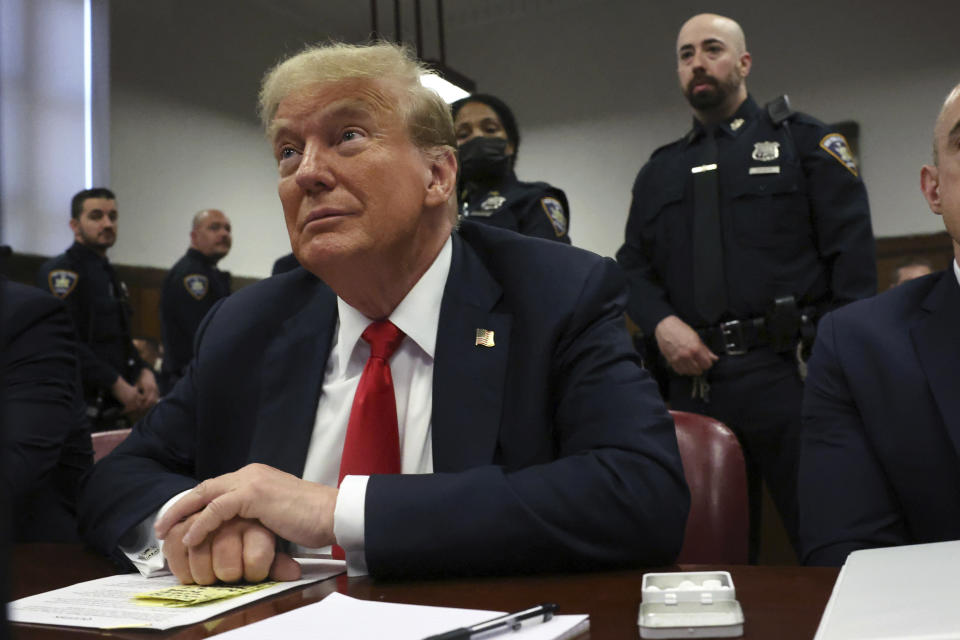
(189, 595)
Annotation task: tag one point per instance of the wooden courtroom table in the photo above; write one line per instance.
(778, 602)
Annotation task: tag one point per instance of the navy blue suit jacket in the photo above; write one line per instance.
(552, 450)
(879, 461)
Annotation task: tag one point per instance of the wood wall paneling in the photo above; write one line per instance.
(936, 247)
(144, 283)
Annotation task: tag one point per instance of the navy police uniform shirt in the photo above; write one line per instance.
(101, 312)
(190, 289)
(531, 208)
(794, 216)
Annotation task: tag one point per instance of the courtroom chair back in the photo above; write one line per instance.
(105, 441)
(718, 526)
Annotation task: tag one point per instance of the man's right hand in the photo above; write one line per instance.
(295, 509)
(682, 347)
(238, 550)
(127, 395)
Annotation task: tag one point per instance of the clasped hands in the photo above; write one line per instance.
(138, 397)
(226, 527)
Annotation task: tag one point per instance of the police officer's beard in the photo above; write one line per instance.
(484, 160)
(100, 241)
(711, 98)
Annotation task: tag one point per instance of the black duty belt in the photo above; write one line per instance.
(735, 337)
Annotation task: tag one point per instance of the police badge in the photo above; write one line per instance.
(765, 151)
(62, 282)
(196, 285)
(488, 207)
(493, 202)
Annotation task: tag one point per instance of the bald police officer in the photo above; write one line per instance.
(117, 384)
(740, 234)
(191, 288)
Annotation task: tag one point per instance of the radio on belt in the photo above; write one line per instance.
(692, 604)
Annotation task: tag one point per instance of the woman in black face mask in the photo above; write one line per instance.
(489, 191)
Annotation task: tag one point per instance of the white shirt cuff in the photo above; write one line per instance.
(348, 522)
(145, 551)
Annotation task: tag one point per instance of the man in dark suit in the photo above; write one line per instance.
(514, 429)
(47, 448)
(881, 415)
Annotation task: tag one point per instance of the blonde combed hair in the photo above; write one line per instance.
(427, 116)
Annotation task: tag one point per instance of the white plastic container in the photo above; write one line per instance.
(692, 604)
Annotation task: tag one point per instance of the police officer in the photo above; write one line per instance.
(488, 140)
(191, 288)
(117, 384)
(740, 234)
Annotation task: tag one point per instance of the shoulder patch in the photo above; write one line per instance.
(836, 145)
(196, 285)
(62, 282)
(556, 214)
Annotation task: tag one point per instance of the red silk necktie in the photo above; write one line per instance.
(372, 444)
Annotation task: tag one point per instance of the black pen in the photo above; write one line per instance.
(508, 622)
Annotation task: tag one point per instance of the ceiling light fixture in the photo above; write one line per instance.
(449, 83)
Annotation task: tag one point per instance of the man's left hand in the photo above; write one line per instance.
(238, 550)
(294, 509)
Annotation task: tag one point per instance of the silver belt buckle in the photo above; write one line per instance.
(732, 334)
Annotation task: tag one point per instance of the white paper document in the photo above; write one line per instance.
(108, 603)
(340, 616)
(899, 592)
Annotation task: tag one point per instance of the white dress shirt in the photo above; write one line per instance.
(418, 316)
(956, 270)
(411, 366)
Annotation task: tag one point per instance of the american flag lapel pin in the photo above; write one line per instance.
(484, 338)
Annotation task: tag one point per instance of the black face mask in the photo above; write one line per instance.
(484, 159)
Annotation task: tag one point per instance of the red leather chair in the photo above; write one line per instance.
(105, 441)
(719, 523)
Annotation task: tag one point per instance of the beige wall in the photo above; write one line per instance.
(600, 93)
(592, 83)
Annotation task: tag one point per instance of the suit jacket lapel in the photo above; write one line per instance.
(292, 379)
(468, 379)
(936, 338)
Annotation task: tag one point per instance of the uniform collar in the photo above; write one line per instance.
(417, 315)
(85, 253)
(196, 254)
(509, 179)
(747, 111)
(475, 189)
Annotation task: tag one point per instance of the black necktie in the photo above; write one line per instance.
(709, 283)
